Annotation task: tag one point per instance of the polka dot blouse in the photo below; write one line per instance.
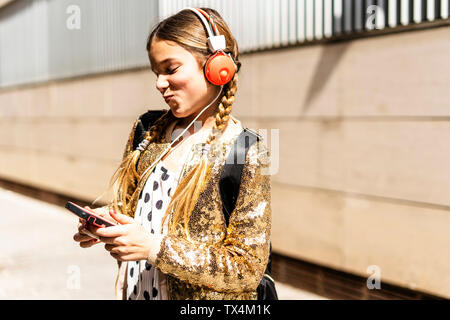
(144, 281)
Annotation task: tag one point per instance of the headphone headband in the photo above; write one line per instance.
(220, 67)
(216, 41)
(211, 29)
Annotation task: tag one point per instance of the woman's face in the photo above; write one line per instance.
(180, 76)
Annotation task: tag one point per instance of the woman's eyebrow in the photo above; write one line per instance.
(164, 61)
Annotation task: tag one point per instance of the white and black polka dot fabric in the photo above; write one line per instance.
(144, 281)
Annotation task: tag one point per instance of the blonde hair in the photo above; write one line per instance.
(185, 29)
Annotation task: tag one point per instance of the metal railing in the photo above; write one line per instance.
(263, 24)
(47, 40)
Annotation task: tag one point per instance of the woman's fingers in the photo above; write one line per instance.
(83, 236)
(102, 212)
(116, 249)
(90, 243)
(81, 226)
(86, 235)
(83, 229)
(114, 231)
(85, 240)
(80, 237)
(110, 240)
(91, 228)
(81, 223)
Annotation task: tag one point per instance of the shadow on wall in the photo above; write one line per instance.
(329, 59)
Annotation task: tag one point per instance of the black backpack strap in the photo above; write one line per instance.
(229, 185)
(230, 179)
(145, 121)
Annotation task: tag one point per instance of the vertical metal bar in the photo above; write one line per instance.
(276, 23)
(424, 10)
(392, 17)
(430, 10)
(292, 21)
(437, 9)
(367, 3)
(333, 30)
(240, 22)
(364, 15)
(284, 22)
(313, 18)
(445, 4)
(399, 12)
(383, 14)
(261, 24)
(237, 23)
(328, 18)
(309, 20)
(404, 11)
(251, 25)
(347, 16)
(353, 8)
(256, 18)
(256, 25)
(411, 11)
(417, 11)
(358, 15)
(318, 19)
(268, 25)
(247, 24)
(337, 15)
(300, 20)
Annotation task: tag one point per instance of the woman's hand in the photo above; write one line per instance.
(128, 241)
(82, 236)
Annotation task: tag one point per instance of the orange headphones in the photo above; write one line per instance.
(220, 67)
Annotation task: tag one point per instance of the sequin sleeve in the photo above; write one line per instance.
(237, 263)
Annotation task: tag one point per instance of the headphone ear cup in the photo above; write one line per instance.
(220, 68)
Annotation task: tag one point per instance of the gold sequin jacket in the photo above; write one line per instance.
(217, 262)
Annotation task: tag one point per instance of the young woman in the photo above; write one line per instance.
(173, 241)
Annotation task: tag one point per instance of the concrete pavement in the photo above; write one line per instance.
(40, 260)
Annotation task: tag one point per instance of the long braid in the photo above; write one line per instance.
(125, 178)
(186, 194)
(224, 108)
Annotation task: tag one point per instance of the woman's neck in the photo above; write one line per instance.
(204, 122)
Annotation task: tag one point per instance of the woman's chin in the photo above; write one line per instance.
(178, 113)
(177, 110)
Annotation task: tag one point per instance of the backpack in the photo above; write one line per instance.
(229, 184)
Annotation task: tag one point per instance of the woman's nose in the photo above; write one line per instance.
(161, 83)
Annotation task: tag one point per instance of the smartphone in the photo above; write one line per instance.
(88, 215)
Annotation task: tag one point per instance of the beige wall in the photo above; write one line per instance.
(363, 177)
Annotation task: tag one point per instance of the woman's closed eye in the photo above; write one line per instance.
(170, 71)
